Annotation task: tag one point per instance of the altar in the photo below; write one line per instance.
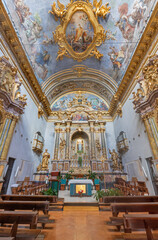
(77, 185)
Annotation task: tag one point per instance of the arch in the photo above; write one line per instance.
(80, 133)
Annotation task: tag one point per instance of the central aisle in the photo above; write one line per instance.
(80, 223)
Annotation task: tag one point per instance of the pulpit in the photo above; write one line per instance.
(77, 185)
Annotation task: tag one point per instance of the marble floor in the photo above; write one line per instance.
(80, 223)
(66, 195)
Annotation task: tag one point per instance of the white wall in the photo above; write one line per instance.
(50, 140)
(21, 145)
(139, 145)
(110, 137)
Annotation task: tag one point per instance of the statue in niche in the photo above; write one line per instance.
(98, 147)
(45, 160)
(115, 159)
(80, 145)
(62, 147)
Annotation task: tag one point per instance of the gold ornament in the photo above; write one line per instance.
(66, 14)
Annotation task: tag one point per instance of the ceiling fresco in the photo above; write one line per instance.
(34, 26)
(63, 102)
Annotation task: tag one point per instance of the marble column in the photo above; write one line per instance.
(7, 131)
(93, 157)
(151, 136)
(56, 148)
(6, 136)
(67, 148)
(103, 143)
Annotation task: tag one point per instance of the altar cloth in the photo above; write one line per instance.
(80, 181)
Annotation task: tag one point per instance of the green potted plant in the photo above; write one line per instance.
(113, 192)
(92, 175)
(99, 195)
(80, 161)
(49, 192)
(108, 192)
(68, 176)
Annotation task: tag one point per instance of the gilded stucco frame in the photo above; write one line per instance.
(60, 33)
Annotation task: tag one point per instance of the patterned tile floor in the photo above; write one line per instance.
(80, 223)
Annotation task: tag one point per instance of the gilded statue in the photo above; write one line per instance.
(10, 82)
(115, 159)
(100, 11)
(40, 111)
(45, 160)
(58, 12)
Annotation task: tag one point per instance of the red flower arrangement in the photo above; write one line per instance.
(80, 192)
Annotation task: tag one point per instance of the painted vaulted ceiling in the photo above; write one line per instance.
(34, 25)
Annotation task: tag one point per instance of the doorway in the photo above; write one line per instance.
(153, 174)
(7, 176)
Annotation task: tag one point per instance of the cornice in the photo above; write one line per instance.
(144, 44)
(15, 46)
(9, 105)
(148, 105)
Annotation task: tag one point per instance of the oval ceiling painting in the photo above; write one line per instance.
(79, 32)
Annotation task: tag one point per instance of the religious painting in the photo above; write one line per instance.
(60, 167)
(106, 166)
(63, 102)
(81, 188)
(66, 166)
(124, 25)
(54, 166)
(79, 117)
(99, 166)
(79, 32)
(94, 166)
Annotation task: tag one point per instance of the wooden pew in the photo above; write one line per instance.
(28, 205)
(130, 207)
(7, 238)
(125, 199)
(51, 199)
(16, 218)
(147, 222)
(25, 205)
(55, 202)
(133, 207)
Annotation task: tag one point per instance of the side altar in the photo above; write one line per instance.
(78, 186)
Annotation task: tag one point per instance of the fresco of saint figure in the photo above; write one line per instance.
(129, 21)
(79, 32)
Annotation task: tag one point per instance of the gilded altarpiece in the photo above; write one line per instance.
(11, 107)
(80, 141)
(146, 101)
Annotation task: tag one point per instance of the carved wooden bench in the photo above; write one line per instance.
(16, 218)
(137, 222)
(125, 199)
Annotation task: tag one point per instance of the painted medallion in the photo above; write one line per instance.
(79, 32)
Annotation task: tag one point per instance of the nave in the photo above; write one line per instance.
(80, 223)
